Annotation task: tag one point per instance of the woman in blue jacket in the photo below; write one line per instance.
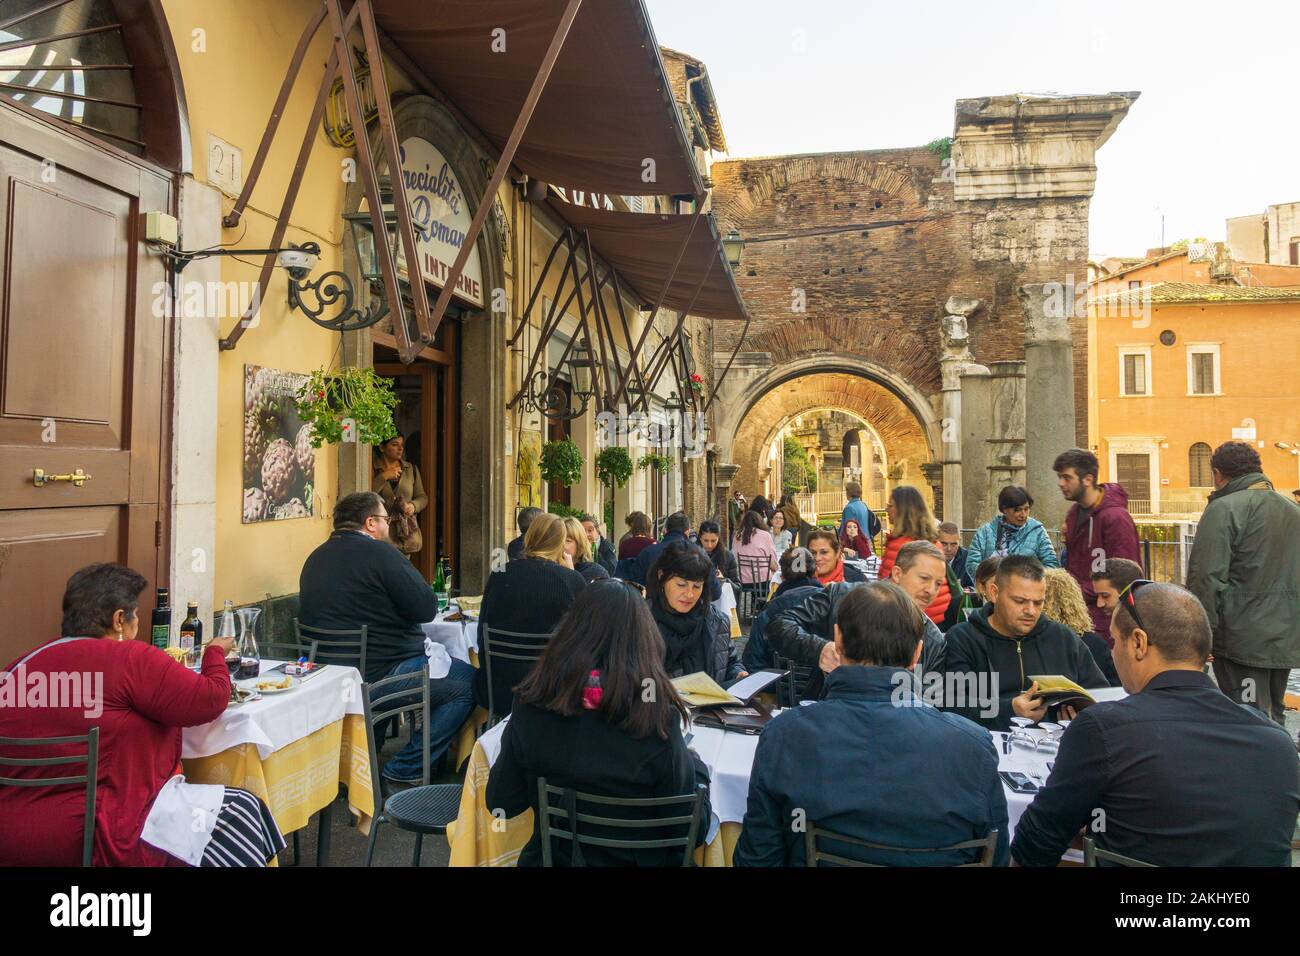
(1012, 532)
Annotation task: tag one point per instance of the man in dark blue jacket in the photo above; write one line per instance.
(1176, 774)
(873, 761)
(675, 528)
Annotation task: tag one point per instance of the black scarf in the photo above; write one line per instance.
(685, 638)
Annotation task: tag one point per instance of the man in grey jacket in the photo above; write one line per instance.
(1245, 570)
(804, 633)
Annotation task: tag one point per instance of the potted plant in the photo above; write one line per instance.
(660, 463)
(695, 383)
(562, 462)
(348, 404)
(613, 469)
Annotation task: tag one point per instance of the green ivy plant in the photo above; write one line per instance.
(941, 147)
(654, 460)
(562, 462)
(563, 510)
(614, 466)
(357, 395)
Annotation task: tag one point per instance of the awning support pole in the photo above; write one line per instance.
(681, 320)
(632, 367)
(549, 325)
(734, 352)
(232, 218)
(537, 290)
(504, 161)
(663, 294)
(369, 178)
(595, 319)
(286, 207)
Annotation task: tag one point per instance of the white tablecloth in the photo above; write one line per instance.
(458, 637)
(726, 601)
(277, 720)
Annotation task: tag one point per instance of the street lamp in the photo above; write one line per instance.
(732, 246)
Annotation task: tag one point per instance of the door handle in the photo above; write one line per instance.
(40, 478)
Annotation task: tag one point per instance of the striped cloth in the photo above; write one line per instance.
(245, 833)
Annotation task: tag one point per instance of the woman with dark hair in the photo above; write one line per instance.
(828, 559)
(1012, 532)
(797, 583)
(696, 635)
(723, 560)
(99, 676)
(763, 507)
(854, 542)
(397, 481)
(754, 541)
(639, 535)
(583, 721)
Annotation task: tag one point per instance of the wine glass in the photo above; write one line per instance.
(1049, 741)
(1021, 737)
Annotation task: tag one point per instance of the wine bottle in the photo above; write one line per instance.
(161, 624)
(440, 585)
(192, 634)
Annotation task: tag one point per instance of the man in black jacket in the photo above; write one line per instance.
(675, 528)
(515, 549)
(993, 654)
(1176, 774)
(358, 578)
(804, 633)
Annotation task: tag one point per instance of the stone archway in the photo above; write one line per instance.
(899, 414)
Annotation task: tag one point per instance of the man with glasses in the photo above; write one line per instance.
(358, 578)
(1176, 774)
(1245, 568)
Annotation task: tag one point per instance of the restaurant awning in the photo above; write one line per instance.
(643, 247)
(606, 111)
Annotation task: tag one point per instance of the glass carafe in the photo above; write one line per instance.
(250, 661)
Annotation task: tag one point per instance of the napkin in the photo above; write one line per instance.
(439, 659)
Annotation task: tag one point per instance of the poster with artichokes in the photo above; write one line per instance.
(279, 462)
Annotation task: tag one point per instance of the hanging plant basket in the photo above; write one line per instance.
(614, 466)
(348, 404)
(562, 462)
(654, 460)
(695, 383)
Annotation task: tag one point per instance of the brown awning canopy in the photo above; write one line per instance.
(604, 112)
(642, 247)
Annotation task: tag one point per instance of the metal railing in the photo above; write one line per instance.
(1164, 561)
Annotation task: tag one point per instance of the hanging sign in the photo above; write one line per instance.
(441, 214)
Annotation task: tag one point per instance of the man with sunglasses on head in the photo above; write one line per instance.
(1245, 568)
(1176, 774)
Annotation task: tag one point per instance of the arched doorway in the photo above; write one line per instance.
(85, 348)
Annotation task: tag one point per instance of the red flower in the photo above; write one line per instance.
(695, 377)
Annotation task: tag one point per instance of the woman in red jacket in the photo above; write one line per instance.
(910, 520)
(99, 675)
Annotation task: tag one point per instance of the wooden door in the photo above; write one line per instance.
(83, 346)
(1134, 473)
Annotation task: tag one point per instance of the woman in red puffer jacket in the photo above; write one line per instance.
(910, 520)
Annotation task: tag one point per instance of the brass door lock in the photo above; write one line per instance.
(40, 478)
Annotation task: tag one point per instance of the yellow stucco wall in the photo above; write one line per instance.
(1258, 350)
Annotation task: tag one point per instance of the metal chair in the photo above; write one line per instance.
(427, 808)
(285, 651)
(813, 855)
(346, 647)
(89, 779)
(791, 687)
(569, 814)
(497, 646)
(753, 594)
(1094, 855)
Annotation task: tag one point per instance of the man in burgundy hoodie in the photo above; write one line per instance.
(1097, 528)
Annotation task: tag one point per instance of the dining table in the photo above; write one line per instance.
(293, 748)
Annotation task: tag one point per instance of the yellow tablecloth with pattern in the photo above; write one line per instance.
(478, 839)
(298, 780)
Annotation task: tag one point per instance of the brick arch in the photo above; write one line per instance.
(901, 429)
(874, 174)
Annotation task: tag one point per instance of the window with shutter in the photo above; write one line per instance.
(1198, 466)
(1135, 375)
(1203, 373)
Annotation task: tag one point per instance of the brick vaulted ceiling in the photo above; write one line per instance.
(898, 428)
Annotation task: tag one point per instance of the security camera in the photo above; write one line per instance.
(298, 262)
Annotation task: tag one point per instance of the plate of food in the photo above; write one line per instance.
(241, 695)
(276, 685)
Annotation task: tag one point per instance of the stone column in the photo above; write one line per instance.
(1006, 436)
(956, 356)
(934, 476)
(976, 419)
(1049, 392)
(723, 476)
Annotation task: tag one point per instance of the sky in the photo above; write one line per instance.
(1215, 133)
